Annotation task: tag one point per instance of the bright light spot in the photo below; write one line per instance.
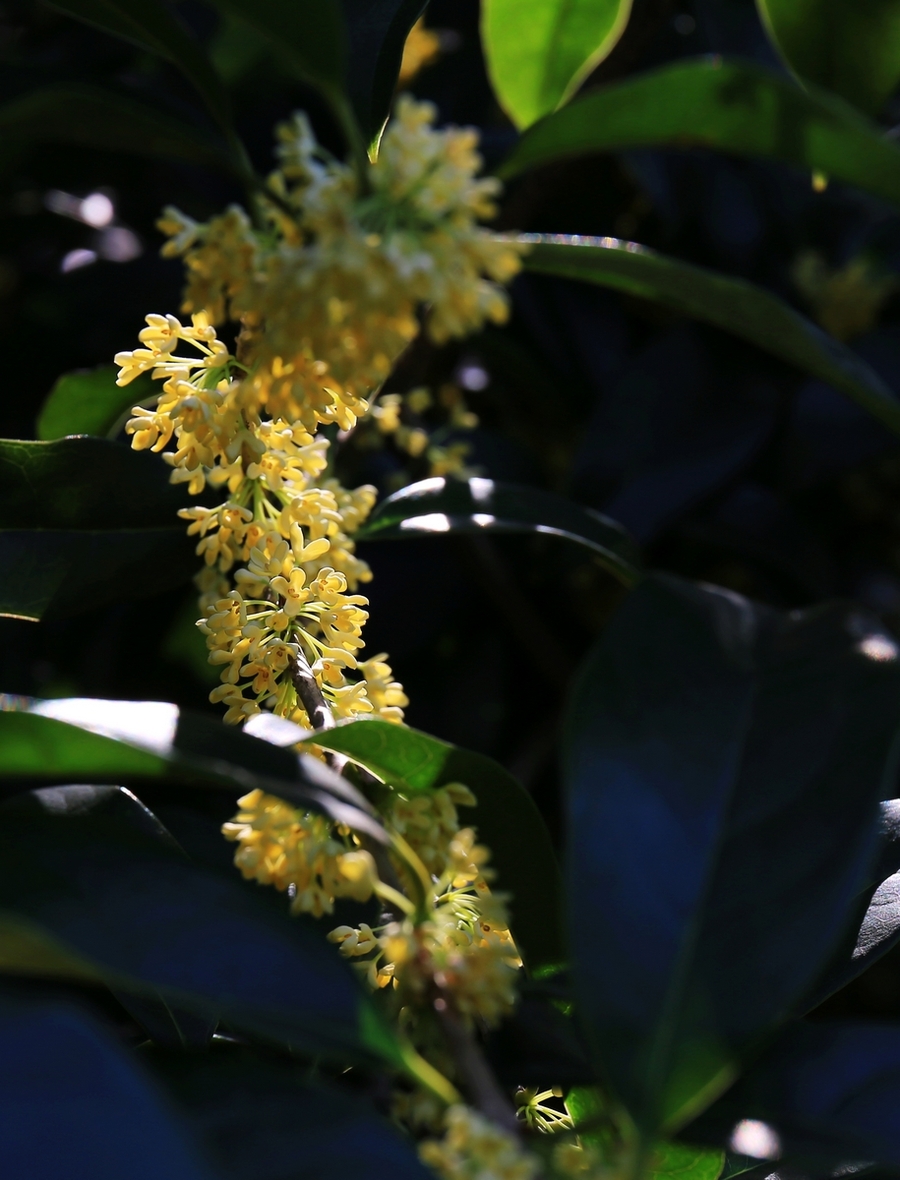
(76, 259)
(473, 376)
(277, 730)
(118, 244)
(481, 489)
(879, 648)
(434, 483)
(97, 210)
(433, 522)
(756, 1139)
(150, 724)
(483, 519)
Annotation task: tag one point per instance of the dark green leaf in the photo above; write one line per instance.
(376, 31)
(851, 47)
(112, 740)
(153, 25)
(676, 1161)
(536, 64)
(732, 304)
(88, 401)
(77, 1104)
(85, 521)
(506, 818)
(151, 922)
(107, 121)
(831, 1093)
(727, 105)
(309, 34)
(437, 506)
(262, 1119)
(724, 768)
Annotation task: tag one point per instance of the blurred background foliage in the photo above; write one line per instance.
(726, 465)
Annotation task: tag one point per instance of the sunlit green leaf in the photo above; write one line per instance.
(506, 818)
(536, 60)
(732, 304)
(85, 739)
(731, 106)
(851, 47)
(677, 1161)
(88, 401)
(437, 506)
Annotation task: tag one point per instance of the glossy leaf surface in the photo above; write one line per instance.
(260, 1117)
(439, 505)
(831, 1092)
(677, 1161)
(88, 401)
(730, 106)
(723, 773)
(153, 25)
(732, 304)
(506, 818)
(851, 47)
(130, 903)
(104, 120)
(76, 1103)
(84, 738)
(536, 64)
(376, 32)
(84, 521)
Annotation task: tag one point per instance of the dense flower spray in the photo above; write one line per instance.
(327, 288)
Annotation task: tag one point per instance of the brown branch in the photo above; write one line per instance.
(482, 1088)
(310, 694)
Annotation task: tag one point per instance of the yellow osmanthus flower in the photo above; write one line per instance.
(475, 1149)
(298, 851)
(327, 293)
(291, 602)
(465, 945)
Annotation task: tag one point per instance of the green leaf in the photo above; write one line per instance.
(77, 1103)
(723, 771)
(437, 506)
(154, 26)
(851, 47)
(75, 865)
(263, 1117)
(103, 741)
(506, 818)
(677, 1161)
(88, 401)
(106, 121)
(730, 106)
(536, 62)
(84, 521)
(376, 31)
(731, 304)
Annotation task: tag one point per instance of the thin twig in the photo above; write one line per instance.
(310, 694)
(477, 1078)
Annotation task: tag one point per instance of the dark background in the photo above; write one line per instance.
(725, 465)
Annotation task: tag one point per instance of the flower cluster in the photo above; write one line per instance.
(299, 852)
(326, 288)
(474, 1149)
(464, 946)
(279, 564)
(327, 292)
(430, 450)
